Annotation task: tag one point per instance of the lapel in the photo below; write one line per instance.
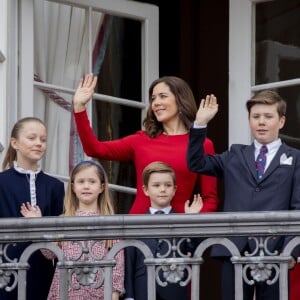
(275, 163)
(248, 154)
(172, 211)
(162, 247)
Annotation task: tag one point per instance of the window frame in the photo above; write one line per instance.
(21, 68)
(241, 80)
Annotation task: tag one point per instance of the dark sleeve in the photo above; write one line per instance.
(195, 152)
(58, 199)
(130, 255)
(200, 162)
(208, 184)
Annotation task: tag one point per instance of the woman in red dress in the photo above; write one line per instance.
(171, 111)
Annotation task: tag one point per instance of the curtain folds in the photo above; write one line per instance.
(62, 56)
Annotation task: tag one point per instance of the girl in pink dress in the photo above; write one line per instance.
(87, 195)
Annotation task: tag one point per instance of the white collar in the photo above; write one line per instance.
(25, 171)
(31, 180)
(273, 146)
(166, 210)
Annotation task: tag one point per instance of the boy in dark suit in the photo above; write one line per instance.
(159, 184)
(258, 177)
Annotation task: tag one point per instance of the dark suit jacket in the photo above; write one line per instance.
(278, 189)
(136, 273)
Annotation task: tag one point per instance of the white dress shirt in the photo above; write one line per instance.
(272, 150)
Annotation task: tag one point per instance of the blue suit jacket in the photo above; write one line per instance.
(278, 189)
(136, 273)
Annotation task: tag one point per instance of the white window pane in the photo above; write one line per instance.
(277, 41)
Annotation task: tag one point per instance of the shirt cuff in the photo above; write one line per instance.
(197, 126)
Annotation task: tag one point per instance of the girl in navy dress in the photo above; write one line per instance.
(22, 180)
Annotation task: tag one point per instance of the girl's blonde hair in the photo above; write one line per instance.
(11, 153)
(104, 203)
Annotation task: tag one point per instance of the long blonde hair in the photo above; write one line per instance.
(104, 202)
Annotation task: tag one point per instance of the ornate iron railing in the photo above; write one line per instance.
(212, 228)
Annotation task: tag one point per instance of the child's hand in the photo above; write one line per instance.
(292, 263)
(29, 211)
(115, 296)
(207, 110)
(84, 92)
(195, 207)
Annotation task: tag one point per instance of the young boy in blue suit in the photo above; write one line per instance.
(254, 180)
(159, 184)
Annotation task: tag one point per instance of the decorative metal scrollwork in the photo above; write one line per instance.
(173, 269)
(259, 271)
(8, 266)
(6, 277)
(86, 275)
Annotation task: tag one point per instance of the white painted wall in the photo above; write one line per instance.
(3, 77)
(240, 64)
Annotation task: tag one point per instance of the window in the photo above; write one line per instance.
(264, 54)
(58, 42)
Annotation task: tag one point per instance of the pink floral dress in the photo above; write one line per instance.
(87, 290)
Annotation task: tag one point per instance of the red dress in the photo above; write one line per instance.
(141, 149)
(294, 282)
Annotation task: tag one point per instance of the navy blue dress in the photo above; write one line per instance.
(14, 190)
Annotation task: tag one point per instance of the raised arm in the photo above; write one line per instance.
(207, 110)
(197, 160)
(84, 92)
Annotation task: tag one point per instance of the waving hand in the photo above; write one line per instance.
(84, 92)
(207, 110)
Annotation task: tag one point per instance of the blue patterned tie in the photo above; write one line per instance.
(261, 161)
(159, 212)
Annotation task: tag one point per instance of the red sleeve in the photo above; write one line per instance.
(208, 184)
(119, 149)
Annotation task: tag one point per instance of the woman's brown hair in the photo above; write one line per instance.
(184, 99)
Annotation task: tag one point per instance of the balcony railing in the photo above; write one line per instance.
(214, 228)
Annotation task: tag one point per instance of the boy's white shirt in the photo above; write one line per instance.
(166, 209)
(272, 150)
